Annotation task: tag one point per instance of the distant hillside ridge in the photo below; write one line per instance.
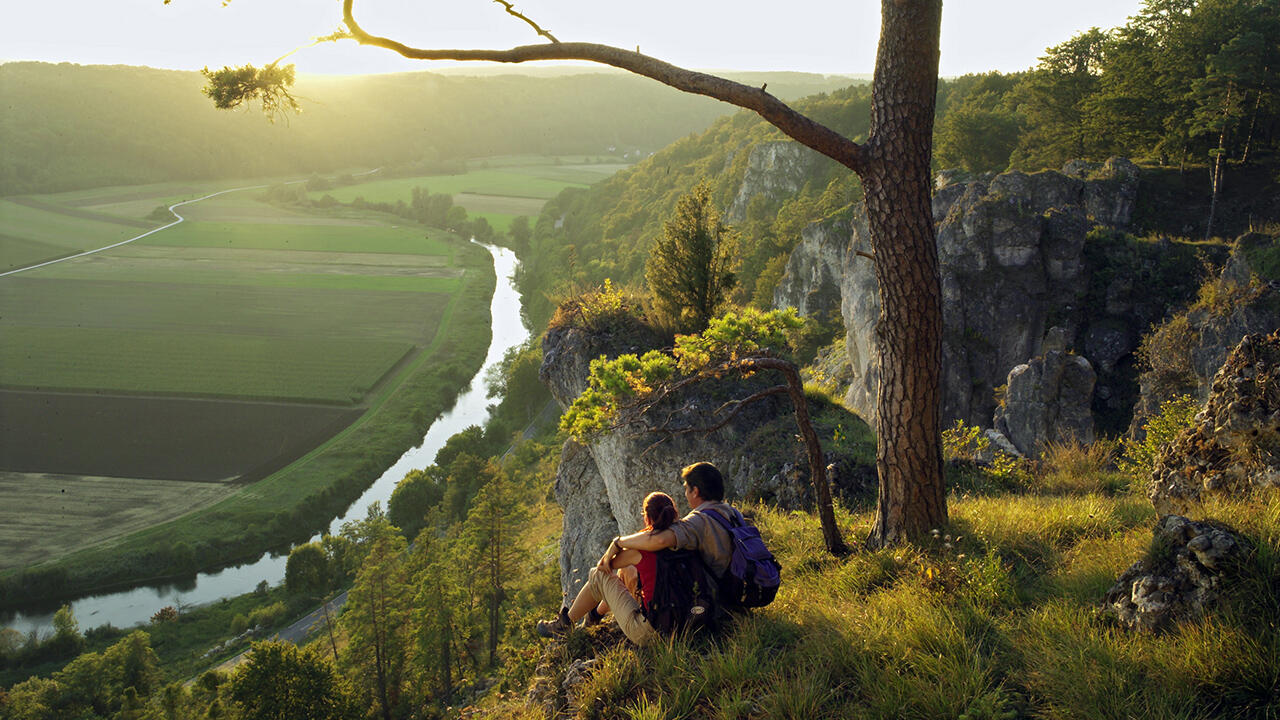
(69, 127)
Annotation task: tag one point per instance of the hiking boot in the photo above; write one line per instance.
(592, 618)
(555, 628)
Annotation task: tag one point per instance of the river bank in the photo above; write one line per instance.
(423, 396)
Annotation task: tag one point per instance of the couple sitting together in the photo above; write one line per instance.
(626, 579)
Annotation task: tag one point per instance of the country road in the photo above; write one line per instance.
(153, 231)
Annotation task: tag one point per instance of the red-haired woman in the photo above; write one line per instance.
(626, 589)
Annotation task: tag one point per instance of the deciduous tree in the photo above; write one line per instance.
(280, 681)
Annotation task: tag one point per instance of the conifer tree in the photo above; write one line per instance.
(690, 268)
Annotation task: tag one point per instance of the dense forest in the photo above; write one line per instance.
(68, 126)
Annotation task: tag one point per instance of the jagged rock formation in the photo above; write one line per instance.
(1047, 400)
(1010, 249)
(811, 283)
(775, 170)
(581, 492)
(1235, 442)
(1251, 305)
(601, 486)
(1180, 579)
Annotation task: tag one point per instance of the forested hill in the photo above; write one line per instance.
(585, 236)
(69, 126)
(1189, 90)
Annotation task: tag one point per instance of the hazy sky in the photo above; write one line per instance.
(833, 36)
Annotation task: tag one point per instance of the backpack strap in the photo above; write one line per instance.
(737, 520)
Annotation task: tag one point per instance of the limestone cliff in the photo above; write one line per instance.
(601, 485)
(1011, 255)
(775, 170)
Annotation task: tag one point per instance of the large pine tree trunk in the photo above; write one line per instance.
(897, 183)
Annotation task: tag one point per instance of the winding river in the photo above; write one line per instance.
(132, 607)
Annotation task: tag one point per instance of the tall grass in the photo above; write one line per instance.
(996, 617)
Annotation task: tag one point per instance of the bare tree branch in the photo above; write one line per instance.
(804, 130)
(511, 10)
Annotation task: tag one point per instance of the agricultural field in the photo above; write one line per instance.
(29, 235)
(525, 178)
(191, 366)
(45, 515)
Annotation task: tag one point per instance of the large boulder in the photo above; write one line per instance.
(1047, 401)
(1010, 250)
(1180, 579)
(1234, 445)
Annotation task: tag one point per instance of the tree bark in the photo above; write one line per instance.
(897, 186)
(1216, 174)
(813, 449)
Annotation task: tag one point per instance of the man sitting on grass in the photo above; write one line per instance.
(704, 491)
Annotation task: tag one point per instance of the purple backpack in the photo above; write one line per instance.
(753, 576)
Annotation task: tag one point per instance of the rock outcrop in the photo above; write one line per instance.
(601, 485)
(1249, 305)
(1234, 444)
(811, 283)
(1010, 253)
(1047, 401)
(589, 523)
(775, 170)
(1181, 578)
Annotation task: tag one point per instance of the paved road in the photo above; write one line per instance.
(172, 209)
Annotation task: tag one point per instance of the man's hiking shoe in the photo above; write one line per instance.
(592, 618)
(554, 628)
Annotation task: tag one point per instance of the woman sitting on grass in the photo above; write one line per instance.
(628, 589)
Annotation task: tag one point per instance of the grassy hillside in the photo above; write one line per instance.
(996, 617)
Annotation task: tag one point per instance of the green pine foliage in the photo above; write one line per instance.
(690, 268)
(628, 380)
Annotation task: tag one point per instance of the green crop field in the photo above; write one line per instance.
(321, 238)
(432, 281)
(32, 235)
(509, 182)
(241, 344)
(161, 363)
(249, 310)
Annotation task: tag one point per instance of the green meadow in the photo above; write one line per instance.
(189, 363)
(315, 238)
(31, 235)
